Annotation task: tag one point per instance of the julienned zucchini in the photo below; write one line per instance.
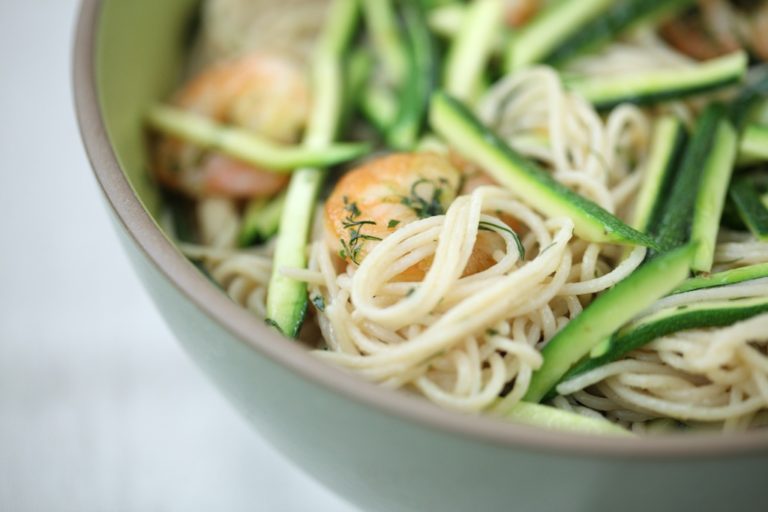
(381, 22)
(420, 80)
(753, 147)
(464, 133)
(286, 297)
(724, 278)
(750, 207)
(666, 148)
(245, 145)
(710, 199)
(544, 416)
(261, 220)
(646, 87)
(472, 48)
(606, 315)
(673, 229)
(671, 320)
(556, 23)
(622, 16)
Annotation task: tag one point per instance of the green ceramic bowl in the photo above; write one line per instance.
(381, 450)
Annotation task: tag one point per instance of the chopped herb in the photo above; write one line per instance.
(491, 332)
(410, 292)
(352, 208)
(351, 248)
(547, 248)
(430, 207)
(319, 302)
(393, 223)
(489, 226)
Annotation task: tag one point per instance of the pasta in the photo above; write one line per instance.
(429, 272)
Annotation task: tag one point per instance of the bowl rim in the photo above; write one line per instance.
(249, 330)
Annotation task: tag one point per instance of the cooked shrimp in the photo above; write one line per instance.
(264, 93)
(385, 194)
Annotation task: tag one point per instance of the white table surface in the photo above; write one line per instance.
(100, 410)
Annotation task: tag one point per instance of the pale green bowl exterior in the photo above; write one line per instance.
(379, 449)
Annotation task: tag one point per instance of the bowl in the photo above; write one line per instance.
(380, 449)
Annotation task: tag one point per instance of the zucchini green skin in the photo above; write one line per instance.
(750, 207)
(753, 147)
(472, 48)
(420, 81)
(286, 297)
(379, 107)
(544, 416)
(677, 213)
(666, 149)
(750, 104)
(381, 21)
(260, 220)
(246, 145)
(669, 321)
(713, 189)
(463, 131)
(446, 20)
(559, 22)
(734, 276)
(649, 87)
(620, 17)
(606, 315)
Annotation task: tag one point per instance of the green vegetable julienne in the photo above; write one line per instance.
(622, 16)
(287, 297)
(750, 207)
(464, 132)
(606, 315)
(677, 213)
(668, 321)
(246, 145)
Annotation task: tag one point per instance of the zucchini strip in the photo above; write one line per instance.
(750, 207)
(544, 416)
(247, 146)
(559, 22)
(381, 21)
(620, 17)
(669, 321)
(286, 297)
(710, 199)
(753, 147)
(446, 20)
(420, 80)
(463, 131)
(733, 276)
(472, 48)
(260, 220)
(606, 315)
(646, 87)
(677, 213)
(666, 148)
(379, 106)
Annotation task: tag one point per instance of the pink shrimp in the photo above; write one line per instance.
(370, 202)
(264, 93)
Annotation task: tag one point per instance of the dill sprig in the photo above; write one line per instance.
(430, 206)
(351, 248)
(490, 226)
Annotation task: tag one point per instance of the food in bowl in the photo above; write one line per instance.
(494, 205)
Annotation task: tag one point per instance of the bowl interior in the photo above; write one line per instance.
(135, 69)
